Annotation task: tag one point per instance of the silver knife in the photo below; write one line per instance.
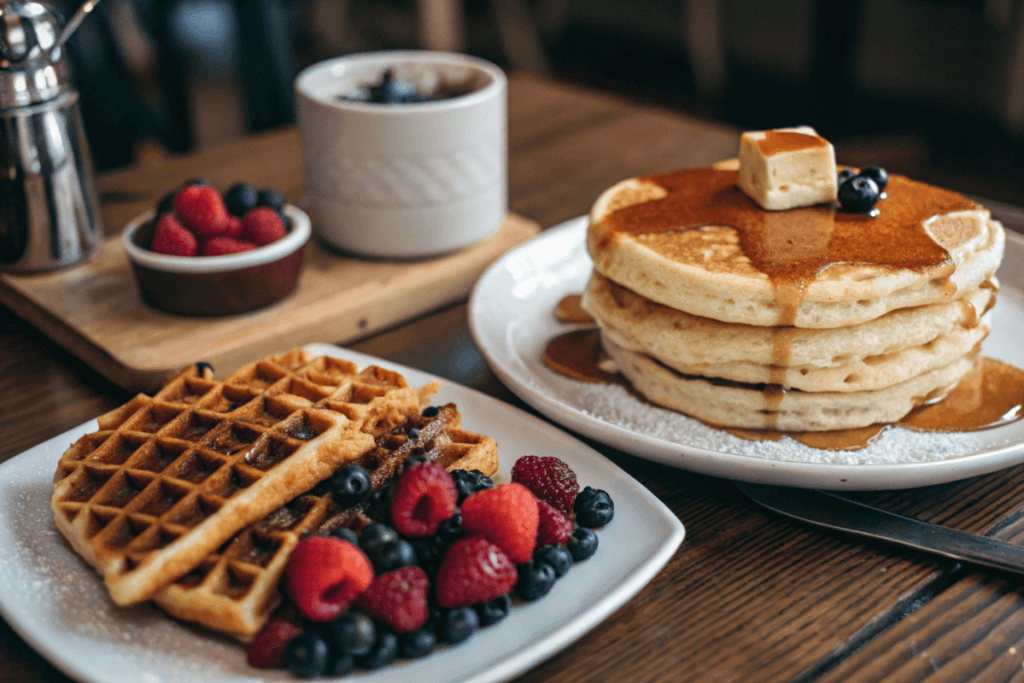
(841, 514)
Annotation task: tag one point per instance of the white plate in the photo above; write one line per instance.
(511, 318)
(60, 606)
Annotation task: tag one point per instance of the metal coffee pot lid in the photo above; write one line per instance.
(31, 71)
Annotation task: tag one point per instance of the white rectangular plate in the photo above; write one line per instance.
(57, 603)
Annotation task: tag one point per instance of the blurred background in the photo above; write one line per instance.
(933, 89)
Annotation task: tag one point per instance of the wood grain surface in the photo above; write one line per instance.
(748, 597)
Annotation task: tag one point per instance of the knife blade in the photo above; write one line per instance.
(830, 511)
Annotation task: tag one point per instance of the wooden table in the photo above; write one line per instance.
(748, 597)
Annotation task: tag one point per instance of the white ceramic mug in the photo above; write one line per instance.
(404, 180)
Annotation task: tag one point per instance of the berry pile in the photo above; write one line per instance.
(859, 192)
(196, 220)
(444, 561)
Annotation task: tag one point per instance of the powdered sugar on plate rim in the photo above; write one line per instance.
(531, 279)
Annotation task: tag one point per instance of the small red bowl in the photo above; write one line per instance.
(216, 285)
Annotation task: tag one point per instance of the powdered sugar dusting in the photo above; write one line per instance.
(617, 406)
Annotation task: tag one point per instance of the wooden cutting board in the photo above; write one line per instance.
(94, 310)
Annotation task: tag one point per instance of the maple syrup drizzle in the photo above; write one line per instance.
(569, 310)
(778, 141)
(991, 395)
(792, 247)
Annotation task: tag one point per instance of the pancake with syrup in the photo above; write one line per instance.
(804, 319)
(879, 353)
(693, 241)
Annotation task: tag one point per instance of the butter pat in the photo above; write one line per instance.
(787, 167)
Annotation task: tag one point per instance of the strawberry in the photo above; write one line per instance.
(234, 229)
(554, 527)
(219, 246)
(202, 209)
(548, 478)
(262, 226)
(266, 651)
(173, 239)
(325, 575)
(398, 598)
(473, 571)
(425, 496)
(507, 516)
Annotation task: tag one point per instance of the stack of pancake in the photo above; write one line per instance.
(807, 319)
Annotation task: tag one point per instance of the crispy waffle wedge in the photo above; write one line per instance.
(168, 479)
(236, 589)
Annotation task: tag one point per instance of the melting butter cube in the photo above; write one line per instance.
(787, 167)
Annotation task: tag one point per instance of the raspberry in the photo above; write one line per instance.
(424, 497)
(262, 226)
(549, 479)
(507, 516)
(473, 571)
(398, 598)
(266, 651)
(202, 209)
(554, 528)
(325, 575)
(234, 228)
(172, 238)
(219, 246)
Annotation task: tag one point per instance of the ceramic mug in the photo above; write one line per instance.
(404, 180)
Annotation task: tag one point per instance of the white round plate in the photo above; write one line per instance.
(57, 603)
(511, 318)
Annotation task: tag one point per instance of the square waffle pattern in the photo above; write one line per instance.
(168, 479)
(236, 589)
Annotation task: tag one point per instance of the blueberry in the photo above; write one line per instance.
(202, 366)
(493, 611)
(449, 531)
(270, 197)
(468, 482)
(376, 534)
(166, 205)
(342, 664)
(434, 618)
(286, 221)
(346, 534)
(384, 652)
(241, 199)
(417, 643)
(845, 175)
(582, 543)
(349, 485)
(593, 507)
(307, 655)
(352, 633)
(458, 624)
(431, 411)
(414, 433)
(878, 175)
(858, 194)
(558, 556)
(392, 555)
(392, 90)
(427, 556)
(535, 579)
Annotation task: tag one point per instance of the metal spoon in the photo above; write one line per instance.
(72, 26)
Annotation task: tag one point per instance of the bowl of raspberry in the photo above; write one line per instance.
(203, 253)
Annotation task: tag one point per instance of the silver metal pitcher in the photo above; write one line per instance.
(49, 214)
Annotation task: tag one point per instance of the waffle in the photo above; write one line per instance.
(235, 590)
(168, 479)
